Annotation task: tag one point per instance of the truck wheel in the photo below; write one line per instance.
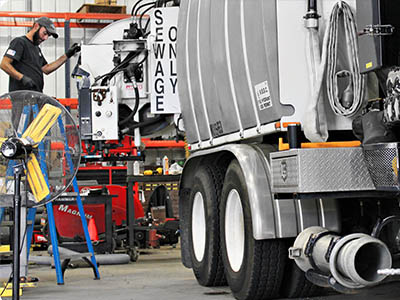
(204, 227)
(296, 285)
(253, 268)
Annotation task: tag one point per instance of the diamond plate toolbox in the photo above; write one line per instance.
(320, 170)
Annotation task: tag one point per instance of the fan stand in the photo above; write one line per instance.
(18, 173)
(14, 152)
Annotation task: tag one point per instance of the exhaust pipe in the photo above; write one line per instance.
(352, 261)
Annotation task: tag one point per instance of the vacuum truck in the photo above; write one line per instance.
(291, 110)
(291, 113)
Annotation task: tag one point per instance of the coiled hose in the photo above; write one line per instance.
(348, 102)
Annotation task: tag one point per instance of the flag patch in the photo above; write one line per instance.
(11, 52)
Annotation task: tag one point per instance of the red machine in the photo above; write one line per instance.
(147, 233)
(68, 221)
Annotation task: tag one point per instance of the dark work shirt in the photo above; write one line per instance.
(28, 60)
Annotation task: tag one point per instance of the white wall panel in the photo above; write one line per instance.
(76, 4)
(62, 6)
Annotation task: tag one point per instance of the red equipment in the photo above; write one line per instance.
(67, 216)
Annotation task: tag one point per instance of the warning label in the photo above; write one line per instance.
(263, 95)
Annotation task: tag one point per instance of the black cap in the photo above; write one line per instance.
(48, 24)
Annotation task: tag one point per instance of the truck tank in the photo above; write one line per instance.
(242, 67)
(246, 70)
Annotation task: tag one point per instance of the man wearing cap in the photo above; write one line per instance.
(24, 61)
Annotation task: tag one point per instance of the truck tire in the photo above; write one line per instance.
(296, 285)
(204, 237)
(253, 268)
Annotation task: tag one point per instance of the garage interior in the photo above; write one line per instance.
(204, 149)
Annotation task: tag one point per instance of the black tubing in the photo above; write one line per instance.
(135, 109)
(134, 7)
(142, 124)
(312, 5)
(293, 136)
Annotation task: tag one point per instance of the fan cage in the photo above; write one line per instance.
(58, 162)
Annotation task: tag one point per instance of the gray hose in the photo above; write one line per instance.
(348, 102)
(102, 259)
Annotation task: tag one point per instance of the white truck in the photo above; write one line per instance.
(269, 218)
(275, 220)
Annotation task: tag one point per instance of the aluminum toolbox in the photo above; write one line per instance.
(320, 170)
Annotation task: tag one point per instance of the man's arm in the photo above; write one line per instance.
(6, 66)
(49, 68)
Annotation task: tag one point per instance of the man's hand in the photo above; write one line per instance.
(75, 48)
(27, 82)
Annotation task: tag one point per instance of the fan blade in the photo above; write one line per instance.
(42, 123)
(36, 179)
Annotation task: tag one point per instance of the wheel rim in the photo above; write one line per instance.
(234, 230)
(198, 226)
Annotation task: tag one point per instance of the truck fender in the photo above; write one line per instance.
(256, 170)
(271, 218)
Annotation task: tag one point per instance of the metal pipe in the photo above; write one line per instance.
(67, 43)
(56, 24)
(18, 169)
(353, 260)
(66, 16)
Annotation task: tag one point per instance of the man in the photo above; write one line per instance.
(24, 61)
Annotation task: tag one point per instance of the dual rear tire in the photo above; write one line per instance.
(222, 245)
(204, 238)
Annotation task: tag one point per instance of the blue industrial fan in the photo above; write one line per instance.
(39, 156)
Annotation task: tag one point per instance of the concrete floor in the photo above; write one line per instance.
(158, 274)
